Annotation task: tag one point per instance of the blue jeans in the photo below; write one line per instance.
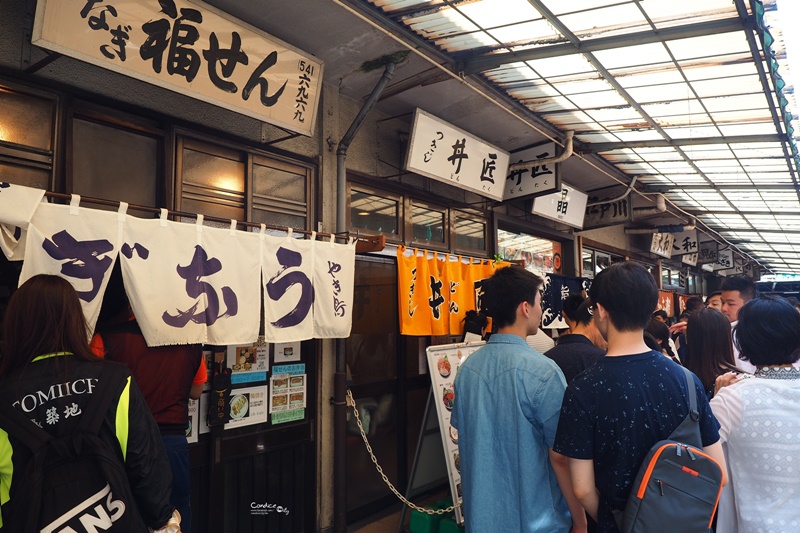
(178, 453)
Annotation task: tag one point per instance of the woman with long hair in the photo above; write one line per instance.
(49, 374)
(709, 349)
(760, 420)
(660, 332)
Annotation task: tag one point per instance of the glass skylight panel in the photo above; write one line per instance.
(724, 86)
(620, 18)
(708, 46)
(538, 90)
(672, 167)
(527, 33)
(568, 117)
(671, 155)
(543, 105)
(647, 76)
(493, 13)
(759, 128)
(624, 113)
(698, 153)
(635, 168)
(742, 116)
(559, 7)
(597, 138)
(746, 151)
(669, 108)
(640, 135)
(632, 56)
(675, 11)
(674, 92)
(703, 69)
(691, 132)
(464, 41)
(560, 66)
(606, 98)
(777, 178)
(732, 103)
(582, 86)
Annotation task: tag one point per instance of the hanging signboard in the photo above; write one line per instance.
(708, 253)
(190, 48)
(689, 259)
(724, 260)
(533, 180)
(445, 153)
(685, 242)
(608, 209)
(567, 206)
(666, 302)
(662, 244)
(443, 362)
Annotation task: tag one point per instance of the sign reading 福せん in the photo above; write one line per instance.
(191, 48)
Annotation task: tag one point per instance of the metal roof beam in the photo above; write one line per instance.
(664, 143)
(700, 29)
(760, 187)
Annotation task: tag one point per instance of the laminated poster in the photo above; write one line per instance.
(288, 388)
(286, 352)
(194, 420)
(248, 406)
(444, 362)
(248, 363)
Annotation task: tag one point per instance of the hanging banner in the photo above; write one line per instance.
(608, 209)
(77, 244)
(192, 49)
(334, 278)
(288, 273)
(426, 305)
(17, 205)
(445, 153)
(535, 180)
(567, 206)
(685, 242)
(661, 244)
(207, 290)
(558, 288)
(666, 302)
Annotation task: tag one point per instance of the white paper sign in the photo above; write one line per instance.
(534, 179)
(248, 406)
(567, 206)
(661, 244)
(286, 352)
(445, 153)
(724, 260)
(191, 48)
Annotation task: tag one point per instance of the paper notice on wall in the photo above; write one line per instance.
(286, 352)
(248, 406)
(194, 419)
(248, 363)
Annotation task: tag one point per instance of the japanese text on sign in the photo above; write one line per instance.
(189, 48)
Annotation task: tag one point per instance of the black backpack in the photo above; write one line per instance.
(678, 485)
(76, 481)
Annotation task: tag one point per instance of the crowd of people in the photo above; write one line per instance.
(553, 441)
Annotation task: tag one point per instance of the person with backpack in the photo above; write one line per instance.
(615, 411)
(79, 449)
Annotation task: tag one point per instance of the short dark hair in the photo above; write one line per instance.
(743, 284)
(768, 332)
(628, 292)
(792, 300)
(575, 310)
(708, 345)
(693, 304)
(505, 290)
(663, 314)
(715, 293)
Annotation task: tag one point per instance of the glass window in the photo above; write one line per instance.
(428, 223)
(468, 232)
(26, 120)
(588, 263)
(665, 276)
(213, 182)
(114, 164)
(374, 212)
(280, 193)
(539, 255)
(27, 176)
(602, 261)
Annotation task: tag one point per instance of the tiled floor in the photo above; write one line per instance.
(389, 523)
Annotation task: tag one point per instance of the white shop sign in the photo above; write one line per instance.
(567, 206)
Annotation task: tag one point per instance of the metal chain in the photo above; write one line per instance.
(402, 498)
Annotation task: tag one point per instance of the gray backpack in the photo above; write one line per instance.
(678, 485)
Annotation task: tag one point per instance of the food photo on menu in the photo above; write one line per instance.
(279, 400)
(239, 406)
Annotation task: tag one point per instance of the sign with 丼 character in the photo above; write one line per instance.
(190, 48)
(567, 206)
(445, 153)
(533, 180)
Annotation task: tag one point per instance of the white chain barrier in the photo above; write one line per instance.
(402, 498)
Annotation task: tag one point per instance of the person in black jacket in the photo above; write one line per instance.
(48, 371)
(575, 352)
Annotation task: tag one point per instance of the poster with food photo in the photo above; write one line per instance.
(248, 363)
(194, 419)
(279, 393)
(248, 406)
(286, 352)
(444, 362)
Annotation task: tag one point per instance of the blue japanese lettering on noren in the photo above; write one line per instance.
(200, 267)
(276, 288)
(83, 258)
(128, 250)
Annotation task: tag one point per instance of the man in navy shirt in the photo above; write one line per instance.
(615, 411)
(575, 352)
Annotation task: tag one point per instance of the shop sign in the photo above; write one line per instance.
(661, 244)
(689, 259)
(190, 48)
(666, 302)
(567, 206)
(445, 153)
(724, 260)
(686, 242)
(607, 211)
(709, 252)
(533, 180)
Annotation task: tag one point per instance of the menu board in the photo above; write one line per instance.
(443, 362)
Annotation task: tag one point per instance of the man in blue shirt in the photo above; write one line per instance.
(507, 402)
(616, 410)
